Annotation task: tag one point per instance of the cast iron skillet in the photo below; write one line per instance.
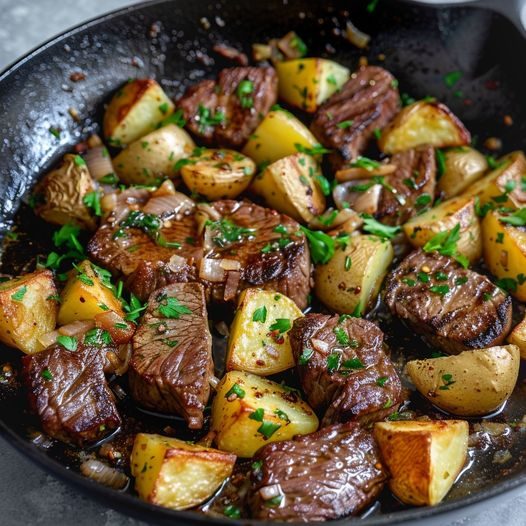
(421, 44)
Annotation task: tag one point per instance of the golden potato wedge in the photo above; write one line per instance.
(471, 383)
(176, 474)
(254, 345)
(154, 156)
(28, 306)
(249, 412)
(85, 295)
(217, 174)
(59, 196)
(423, 123)
(276, 137)
(462, 167)
(503, 185)
(289, 186)
(424, 457)
(505, 252)
(518, 337)
(307, 82)
(350, 281)
(135, 110)
(445, 216)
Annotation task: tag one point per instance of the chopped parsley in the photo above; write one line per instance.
(423, 200)
(333, 362)
(207, 119)
(176, 118)
(257, 415)
(451, 78)
(517, 218)
(281, 325)
(98, 337)
(109, 178)
(235, 390)
(79, 161)
(372, 226)
(68, 342)
(267, 429)
(281, 415)
(297, 43)
(172, 308)
(317, 149)
(345, 124)
(353, 363)
(423, 277)
(260, 314)
(92, 201)
(228, 232)
(19, 294)
(507, 284)
(305, 356)
(441, 162)
(134, 308)
(447, 380)
(461, 281)
(232, 511)
(324, 184)
(46, 374)
(164, 107)
(445, 243)
(348, 263)
(342, 337)
(244, 93)
(365, 163)
(442, 290)
(382, 381)
(321, 245)
(409, 282)
(372, 5)
(274, 501)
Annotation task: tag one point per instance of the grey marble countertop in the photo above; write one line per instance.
(28, 495)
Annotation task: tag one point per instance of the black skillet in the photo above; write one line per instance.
(420, 45)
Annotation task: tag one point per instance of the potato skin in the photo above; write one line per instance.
(356, 287)
(471, 383)
(176, 474)
(424, 457)
(218, 174)
(249, 346)
(307, 82)
(445, 216)
(135, 110)
(83, 299)
(32, 315)
(154, 156)
(463, 166)
(289, 186)
(237, 432)
(423, 123)
(518, 337)
(60, 194)
(276, 137)
(505, 251)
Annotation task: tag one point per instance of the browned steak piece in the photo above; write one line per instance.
(69, 393)
(225, 112)
(411, 188)
(329, 474)
(343, 368)
(454, 308)
(238, 248)
(369, 99)
(172, 362)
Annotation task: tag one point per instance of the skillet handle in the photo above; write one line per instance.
(513, 10)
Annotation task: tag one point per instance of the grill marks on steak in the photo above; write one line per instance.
(172, 362)
(369, 99)
(472, 313)
(325, 475)
(69, 393)
(363, 383)
(148, 266)
(220, 97)
(414, 177)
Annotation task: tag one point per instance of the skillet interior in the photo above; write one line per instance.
(420, 44)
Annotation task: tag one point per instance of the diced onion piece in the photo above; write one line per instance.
(176, 263)
(320, 345)
(261, 52)
(99, 162)
(356, 172)
(167, 188)
(355, 36)
(108, 202)
(113, 323)
(210, 270)
(270, 492)
(103, 474)
(213, 381)
(343, 216)
(362, 202)
(77, 327)
(49, 339)
(230, 264)
(169, 205)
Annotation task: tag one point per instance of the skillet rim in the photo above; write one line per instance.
(132, 505)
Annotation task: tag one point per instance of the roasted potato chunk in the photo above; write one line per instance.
(176, 474)
(518, 337)
(86, 295)
(505, 251)
(307, 82)
(135, 110)
(470, 383)
(59, 196)
(249, 412)
(503, 185)
(424, 458)
(289, 186)
(462, 167)
(276, 137)
(258, 341)
(154, 156)
(350, 281)
(29, 310)
(445, 216)
(423, 123)
(217, 174)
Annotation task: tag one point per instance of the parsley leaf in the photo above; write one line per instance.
(372, 226)
(235, 390)
(305, 356)
(260, 314)
(321, 245)
(445, 243)
(517, 218)
(172, 308)
(19, 294)
(281, 325)
(68, 342)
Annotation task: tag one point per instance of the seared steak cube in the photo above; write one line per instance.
(369, 99)
(227, 111)
(454, 308)
(343, 368)
(172, 362)
(69, 393)
(325, 475)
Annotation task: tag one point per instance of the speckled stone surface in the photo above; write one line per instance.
(29, 496)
